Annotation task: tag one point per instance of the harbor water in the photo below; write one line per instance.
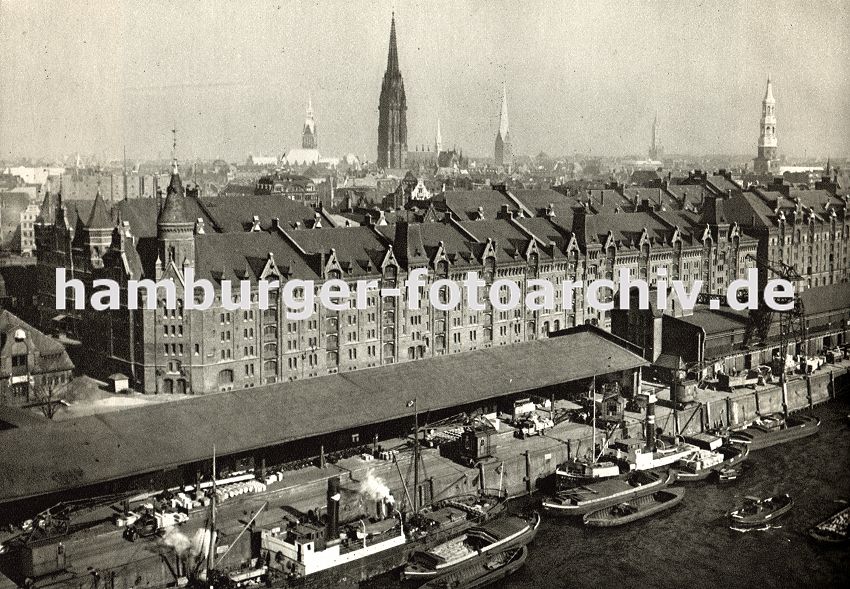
(693, 546)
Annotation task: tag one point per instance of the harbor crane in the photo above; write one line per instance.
(792, 323)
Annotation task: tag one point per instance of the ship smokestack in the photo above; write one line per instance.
(332, 524)
(650, 422)
(380, 509)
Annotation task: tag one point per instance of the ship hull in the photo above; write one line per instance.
(350, 575)
(608, 494)
(414, 577)
(478, 575)
(797, 427)
(646, 506)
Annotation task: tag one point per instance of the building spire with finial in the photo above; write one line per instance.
(392, 57)
(504, 126)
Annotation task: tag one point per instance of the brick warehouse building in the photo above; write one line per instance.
(499, 234)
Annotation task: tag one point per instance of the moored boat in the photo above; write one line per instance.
(477, 544)
(310, 555)
(579, 472)
(635, 509)
(702, 463)
(482, 573)
(773, 429)
(607, 493)
(760, 512)
(833, 530)
(728, 474)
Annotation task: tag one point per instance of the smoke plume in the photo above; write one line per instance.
(177, 541)
(375, 488)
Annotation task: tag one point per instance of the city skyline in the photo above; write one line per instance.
(89, 79)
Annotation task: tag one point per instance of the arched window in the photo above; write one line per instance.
(270, 367)
(225, 376)
(270, 349)
(270, 331)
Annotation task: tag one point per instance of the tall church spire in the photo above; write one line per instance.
(655, 149)
(392, 57)
(504, 149)
(308, 134)
(438, 139)
(392, 112)
(767, 145)
(504, 125)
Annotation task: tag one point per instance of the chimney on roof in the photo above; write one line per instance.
(317, 221)
(199, 226)
(505, 212)
(255, 223)
(550, 211)
(480, 215)
(298, 224)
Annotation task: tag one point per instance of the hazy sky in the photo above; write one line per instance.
(92, 76)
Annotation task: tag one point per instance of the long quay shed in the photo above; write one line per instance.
(59, 456)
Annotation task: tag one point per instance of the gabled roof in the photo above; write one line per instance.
(465, 204)
(51, 356)
(99, 218)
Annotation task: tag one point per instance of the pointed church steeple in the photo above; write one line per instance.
(392, 112)
(504, 124)
(438, 139)
(767, 144)
(392, 56)
(655, 149)
(504, 148)
(308, 135)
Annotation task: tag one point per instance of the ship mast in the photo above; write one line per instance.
(211, 548)
(415, 456)
(593, 420)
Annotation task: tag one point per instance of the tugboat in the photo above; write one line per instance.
(476, 545)
(583, 470)
(638, 508)
(343, 555)
(833, 530)
(760, 512)
(627, 455)
(482, 573)
(775, 428)
(607, 493)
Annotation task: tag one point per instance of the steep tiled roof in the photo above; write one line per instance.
(626, 228)
(99, 218)
(465, 204)
(51, 356)
(243, 256)
(747, 209)
(356, 248)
